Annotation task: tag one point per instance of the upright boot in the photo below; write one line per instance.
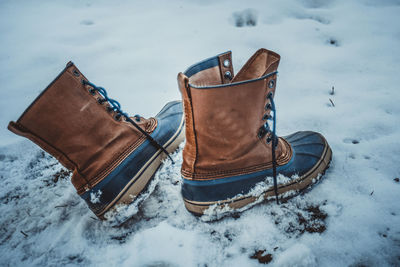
(113, 156)
(231, 151)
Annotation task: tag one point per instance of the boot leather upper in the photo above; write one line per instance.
(224, 114)
(67, 121)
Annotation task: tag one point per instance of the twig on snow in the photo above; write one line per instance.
(22, 232)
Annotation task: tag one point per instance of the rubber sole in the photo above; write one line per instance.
(143, 177)
(297, 185)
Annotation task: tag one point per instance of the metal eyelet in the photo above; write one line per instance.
(92, 91)
(100, 101)
(260, 133)
(268, 106)
(109, 109)
(227, 63)
(263, 130)
(228, 75)
(271, 84)
(117, 117)
(76, 73)
(268, 140)
(266, 117)
(270, 94)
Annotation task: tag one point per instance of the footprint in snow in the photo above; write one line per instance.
(351, 140)
(247, 17)
(87, 22)
(333, 42)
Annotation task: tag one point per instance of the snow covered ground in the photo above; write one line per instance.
(135, 49)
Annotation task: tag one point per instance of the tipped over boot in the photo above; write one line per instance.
(113, 156)
(232, 157)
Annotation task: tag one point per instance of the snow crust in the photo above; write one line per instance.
(135, 49)
(95, 197)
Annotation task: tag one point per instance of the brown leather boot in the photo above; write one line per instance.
(232, 158)
(113, 156)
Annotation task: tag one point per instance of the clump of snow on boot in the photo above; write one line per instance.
(220, 210)
(123, 212)
(95, 196)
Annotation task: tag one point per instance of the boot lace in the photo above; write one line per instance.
(116, 107)
(272, 138)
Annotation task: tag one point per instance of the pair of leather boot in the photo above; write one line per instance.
(232, 156)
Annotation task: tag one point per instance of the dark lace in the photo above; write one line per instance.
(265, 129)
(116, 106)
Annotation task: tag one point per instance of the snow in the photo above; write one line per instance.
(95, 197)
(135, 49)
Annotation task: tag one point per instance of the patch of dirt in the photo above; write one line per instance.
(62, 174)
(315, 223)
(298, 220)
(262, 257)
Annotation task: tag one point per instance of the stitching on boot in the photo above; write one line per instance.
(113, 164)
(210, 175)
(151, 125)
(189, 109)
(25, 129)
(248, 64)
(44, 91)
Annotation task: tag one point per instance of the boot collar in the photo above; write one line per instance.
(217, 71)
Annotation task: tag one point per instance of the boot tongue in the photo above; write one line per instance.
(212, 71)
(261, 63)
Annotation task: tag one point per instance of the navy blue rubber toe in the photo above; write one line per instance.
(308, 150)
(169, 126)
